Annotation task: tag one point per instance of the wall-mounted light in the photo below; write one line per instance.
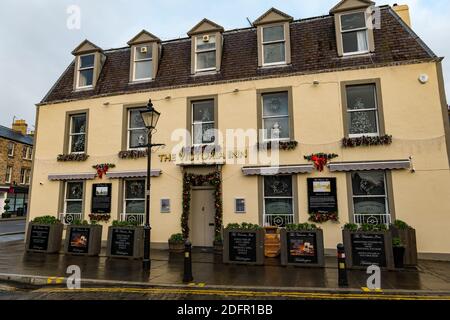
(106, 104)
(423, 78)
(235, 90)
(168, 98)
(316, 82)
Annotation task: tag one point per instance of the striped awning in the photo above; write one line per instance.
(71, 176)
(370, 165)
(132, 174)
(277, 170)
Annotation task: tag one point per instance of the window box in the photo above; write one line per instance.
(407, 236)
(282, 145)
(133, 154)
(302, 247)
(44, 237)
(243, 245)
(74, 157)
(83, 240)
(366, 141)
(126, 242)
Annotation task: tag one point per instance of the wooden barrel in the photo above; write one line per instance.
(272, 242)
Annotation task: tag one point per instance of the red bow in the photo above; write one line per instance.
(319, 162)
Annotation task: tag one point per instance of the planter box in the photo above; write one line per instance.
(218, 247)
(45, 238)
(125, 242)
(302, 248)
(408, 238)
(243, 247)
(83, 240)
(363, 249)
(176, 247)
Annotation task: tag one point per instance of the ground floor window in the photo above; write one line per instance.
(73, 201)
(278, 201)
(134, 200)
(18, 203)
(370, 197)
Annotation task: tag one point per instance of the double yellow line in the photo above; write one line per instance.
(249, 294)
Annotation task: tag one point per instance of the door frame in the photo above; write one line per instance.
(191, 218)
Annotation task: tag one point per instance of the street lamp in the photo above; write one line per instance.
(150, 117)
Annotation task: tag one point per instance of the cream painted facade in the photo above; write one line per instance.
(412, 115)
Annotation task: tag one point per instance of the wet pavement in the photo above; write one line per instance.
(10, 226)
(208, 270)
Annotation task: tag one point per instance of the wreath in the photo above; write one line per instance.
(321, 159)
(103, 168)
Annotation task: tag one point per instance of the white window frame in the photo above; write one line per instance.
(386, 195)
(193, 123)
(125, 199)
(197, 51)
(8, 175)
(358, 135)
(11, 154)
(354, 30)
(25, 175)
(28, 153)
(129, 129)
(281, 197)
(73, 200)
(71, 134)
(273, 117)
(235, 205)
(263, 45)
(135, 61)
(83, 69)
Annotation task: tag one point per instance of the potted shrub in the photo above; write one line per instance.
(83, 238)
(399, 252)
(302, 245)
(125, 240)
(44, 234)
(218, 244)
(367, 245)
(407, 234)
(244, 244)
(6, 214)
(176, 243)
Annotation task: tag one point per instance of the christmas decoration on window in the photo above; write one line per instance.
(193, 180)
(72, 157)
(132, 154)
(99, 217)
(366, 141)
(103, 168)
(323, 217)
(282, 145)
(321, 159)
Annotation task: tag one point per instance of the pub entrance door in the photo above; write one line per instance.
(202, 217)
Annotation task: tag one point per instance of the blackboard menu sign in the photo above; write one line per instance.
(39, 237)
(368, 249)
(322, 196)
(79, 240)
(242, 247)
(302, 247)
(101, 198)
(122, 243)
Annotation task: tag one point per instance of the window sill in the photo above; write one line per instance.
(356, 55)
(205, 73)
(135, 82)
(275, 66)
(83, 89)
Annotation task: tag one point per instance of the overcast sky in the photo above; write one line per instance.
(36, 42)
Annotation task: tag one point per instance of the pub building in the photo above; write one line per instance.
(354, 99)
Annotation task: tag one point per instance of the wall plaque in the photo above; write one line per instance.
(101, 198)
(322, 196)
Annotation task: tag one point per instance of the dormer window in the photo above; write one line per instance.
(274, 45)
(354, 33)
(205, 53)
(86, 71)
(145, 49)
(89, 60)
(143, 63)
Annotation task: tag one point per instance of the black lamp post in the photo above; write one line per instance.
(150, 117)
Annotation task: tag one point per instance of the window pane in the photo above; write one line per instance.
(135, 206)
(78, 143)
(368, 183)
(278, 206)
(136, 120)
(142, 55)
(135, 189)
(276, 128)
(353, 21)
(206, 60)
(138, 138)
(86, 78)
(273, 33)
(74, 190)
(209, 45)
(355, 41)
(364, 122)
(370, 205)
(144, 70)
(73, 207)
(275, 104)
(79, 124)
(274, 53)
(203, 133)
(203, 111)
(87, 61)
(278, 186)
(361, 97)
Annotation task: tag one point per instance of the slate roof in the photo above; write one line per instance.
(10, 134)
(313, 49)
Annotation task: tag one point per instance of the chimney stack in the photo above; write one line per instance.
(20, 126)
(403, 13)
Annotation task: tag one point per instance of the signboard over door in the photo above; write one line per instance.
(322, 195)
(101, 198)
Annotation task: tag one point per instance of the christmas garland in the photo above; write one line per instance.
(318, 217)
(366, 141)
(103, 168)
(72, 157)
(282, 145)
(321, 159)
(193, 150)
(190, 180)
(132, 154)
(99, 217)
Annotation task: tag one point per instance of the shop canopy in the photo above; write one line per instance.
(277, 170)
(132, 174)
(73, 176)
(369, 165)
